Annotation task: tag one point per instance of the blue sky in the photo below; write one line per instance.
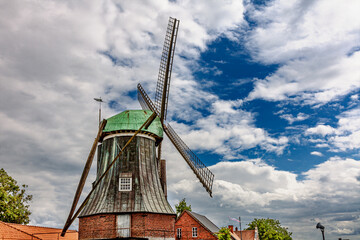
(265, 92)
(230, 72)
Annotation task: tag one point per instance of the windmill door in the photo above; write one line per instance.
(123, 225)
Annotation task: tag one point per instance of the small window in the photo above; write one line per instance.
(125, 184)
(178, 233)
(194, 232)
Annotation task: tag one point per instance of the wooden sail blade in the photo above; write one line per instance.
(166, 63)
(85, 173)
(145, 101)
(205, 176)
(141, 97)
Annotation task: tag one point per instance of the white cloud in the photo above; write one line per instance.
(228, 130)
(321, 130)
(291, 119)
(254, 188)
(222, 106)
(345, 137)
(322, 145)
(313, 42)
(56, 56)
(355, 97)
(354, 100)
(316, 153)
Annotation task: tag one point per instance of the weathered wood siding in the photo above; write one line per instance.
(139, 162)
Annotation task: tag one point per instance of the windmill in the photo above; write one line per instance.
(129, 195)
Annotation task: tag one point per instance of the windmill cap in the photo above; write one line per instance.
(132, 120)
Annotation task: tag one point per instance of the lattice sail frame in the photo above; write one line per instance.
(205, 176)
(166, 63)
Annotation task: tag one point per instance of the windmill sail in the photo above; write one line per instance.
(205, 176)
(145, 101)
(166, 63)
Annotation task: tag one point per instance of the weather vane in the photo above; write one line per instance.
(100, 101)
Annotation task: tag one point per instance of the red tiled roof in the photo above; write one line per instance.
(246, 234)
(19, 231)
(9, 232)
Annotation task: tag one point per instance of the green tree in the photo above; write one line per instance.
(270, 229)
(224, 234)
(13, 199)
(182, 206)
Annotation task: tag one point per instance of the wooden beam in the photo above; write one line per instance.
(85, 173)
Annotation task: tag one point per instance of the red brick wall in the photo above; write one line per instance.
(142, 225)
(97, 226)
(186, 223)
(152, 225)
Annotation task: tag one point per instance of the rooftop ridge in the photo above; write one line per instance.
(202, 223)
(35, 226)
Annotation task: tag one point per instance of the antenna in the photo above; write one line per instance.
(99, 100)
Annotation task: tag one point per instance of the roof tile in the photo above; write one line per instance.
(19, 231)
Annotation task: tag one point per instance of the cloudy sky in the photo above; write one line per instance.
(265, 92)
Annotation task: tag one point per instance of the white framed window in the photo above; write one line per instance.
(178, 231)
(194, 232)
(125, 184)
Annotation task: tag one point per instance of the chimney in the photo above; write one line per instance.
(231, 227)
(236, 229)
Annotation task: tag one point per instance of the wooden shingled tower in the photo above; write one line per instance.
(129, 196)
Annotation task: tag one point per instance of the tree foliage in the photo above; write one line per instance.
(182, 206)
(270, 229)
(13, 199)
(224, 234)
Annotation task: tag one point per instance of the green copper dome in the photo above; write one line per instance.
(132, 120)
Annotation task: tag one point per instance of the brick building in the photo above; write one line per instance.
(14, 231)
(139, 226)
(190, 225)
(243, 234)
